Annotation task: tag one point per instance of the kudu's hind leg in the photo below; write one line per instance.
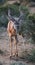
(11, 46)
(16, 50)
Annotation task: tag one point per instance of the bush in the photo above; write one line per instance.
(4, 10)
(14, 10)
(3, 20)
(2, 1)
(28, 55)
(24, 28)
(32, 56)
(32, 26)
(27, 27)
(3, 24)
(24, 9)
(17, 64)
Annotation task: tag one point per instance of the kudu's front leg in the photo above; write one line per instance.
(16, 50)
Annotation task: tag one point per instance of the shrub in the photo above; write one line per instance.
(4, 9)
(3, 20)
(32, 56)
(24, 28)
(3, 24)
(28, 55)
(32, 26)
(17, 63)
(14, 10)
(24, 9)
(2, 1)
(27, 28)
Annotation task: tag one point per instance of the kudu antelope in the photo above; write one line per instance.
(11, 29)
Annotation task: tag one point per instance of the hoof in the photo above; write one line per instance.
(16, 55)
(13, 55)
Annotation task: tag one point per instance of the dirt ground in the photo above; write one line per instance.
(4, 46)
